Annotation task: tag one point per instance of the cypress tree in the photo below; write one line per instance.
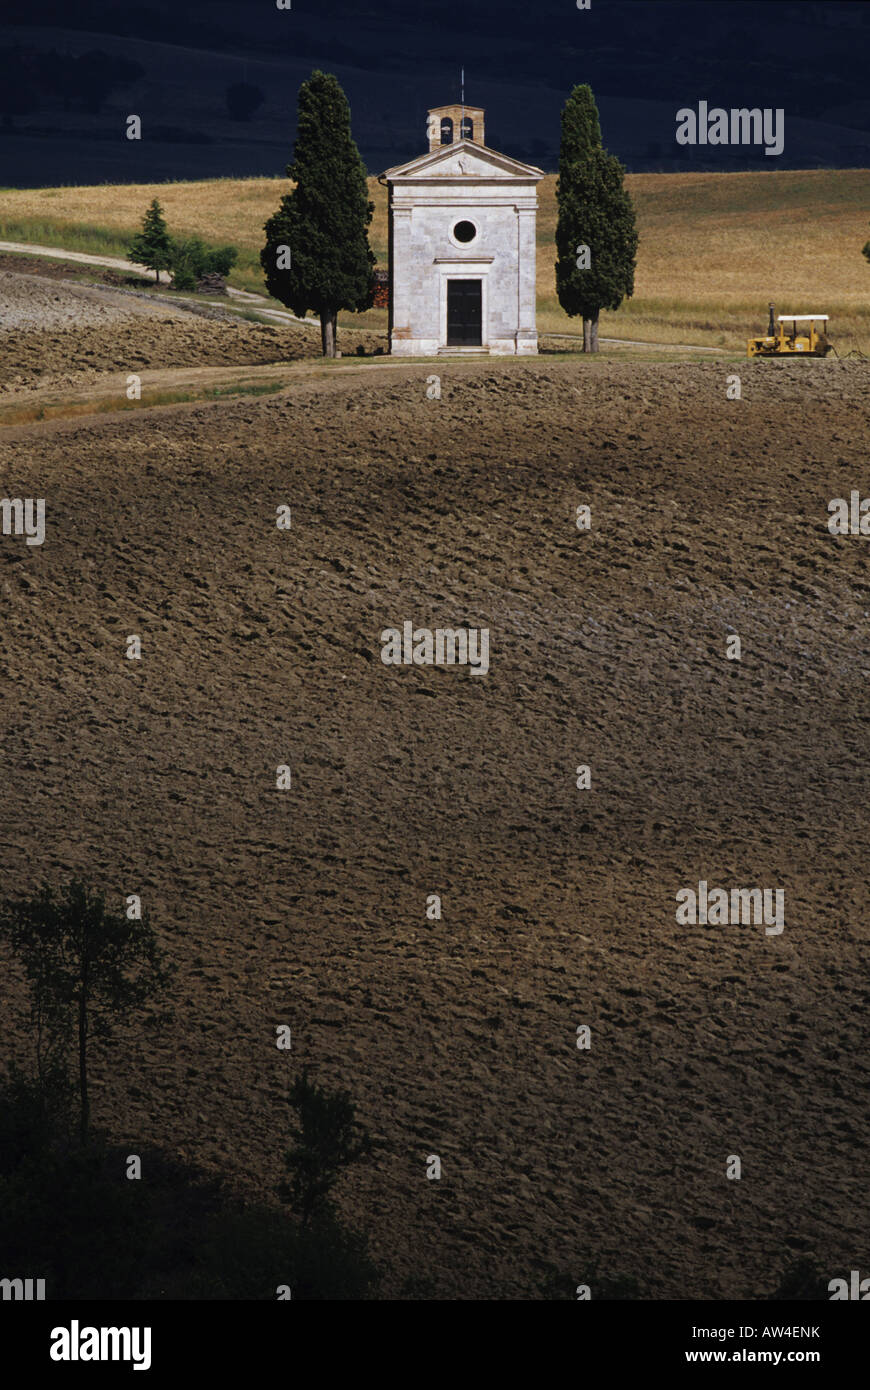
(317, 254)
(152, 246)
(595, 210)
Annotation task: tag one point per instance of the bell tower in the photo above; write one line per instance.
(449, 124)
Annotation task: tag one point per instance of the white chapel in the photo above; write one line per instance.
(462, 244)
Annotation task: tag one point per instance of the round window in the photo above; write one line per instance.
(465, 232)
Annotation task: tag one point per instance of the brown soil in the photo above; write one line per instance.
(307, 907)
(47, 269)
(62, 335)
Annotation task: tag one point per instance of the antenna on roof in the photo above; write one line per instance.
(462, 121)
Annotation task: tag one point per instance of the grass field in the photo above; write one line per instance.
(714, 248)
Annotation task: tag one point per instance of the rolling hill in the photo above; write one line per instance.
(714, 247)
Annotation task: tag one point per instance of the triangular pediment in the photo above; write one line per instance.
(463, 159)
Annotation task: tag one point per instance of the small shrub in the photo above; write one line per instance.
(191, 258)
(328, 1141)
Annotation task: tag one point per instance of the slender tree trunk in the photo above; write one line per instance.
(328, 319)
(590, 334)
(83, 1063)
(594, 335)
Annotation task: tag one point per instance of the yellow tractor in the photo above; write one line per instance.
(789, 339)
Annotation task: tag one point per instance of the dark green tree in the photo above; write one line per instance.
(595, 212)
(86, 968)
(317, 254)
(152, 246)
(328, 1140)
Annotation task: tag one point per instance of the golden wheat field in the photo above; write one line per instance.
(714, 248)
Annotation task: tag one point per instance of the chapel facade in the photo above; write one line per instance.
(462, 244)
